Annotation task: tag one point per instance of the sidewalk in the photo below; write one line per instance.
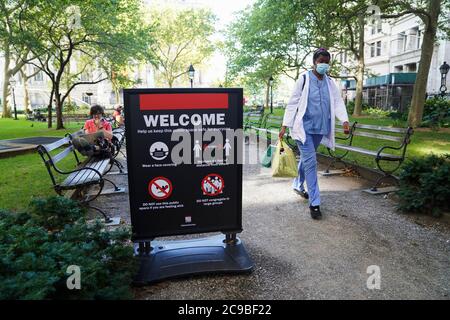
(299, 258)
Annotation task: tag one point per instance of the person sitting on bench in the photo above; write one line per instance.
(117, 115)
(98, 123)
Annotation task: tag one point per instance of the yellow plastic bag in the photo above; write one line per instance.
(284, 164)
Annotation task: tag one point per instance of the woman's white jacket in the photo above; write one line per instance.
(296, 107)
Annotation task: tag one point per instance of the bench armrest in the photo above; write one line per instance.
(380, 150)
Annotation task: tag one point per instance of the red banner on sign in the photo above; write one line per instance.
(181, 101)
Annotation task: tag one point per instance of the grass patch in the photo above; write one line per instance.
(14, 129)
(25, 176)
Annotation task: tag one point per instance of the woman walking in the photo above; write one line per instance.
(310, 116)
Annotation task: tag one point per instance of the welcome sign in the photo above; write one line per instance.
(184, 160)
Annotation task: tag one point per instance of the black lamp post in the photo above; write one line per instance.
(444, 70)
(191, 72)
(12, 83)
(271, 93)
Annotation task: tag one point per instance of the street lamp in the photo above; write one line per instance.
(271, 93)
(191, 72)
(444, 70)
(12, 83)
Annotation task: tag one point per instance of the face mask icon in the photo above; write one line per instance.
(159, 151)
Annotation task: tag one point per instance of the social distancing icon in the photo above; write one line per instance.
(160, 188)
(213, 184)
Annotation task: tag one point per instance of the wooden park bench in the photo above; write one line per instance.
(270, 125)
(385, 153)
(84, 174)
(252, 120)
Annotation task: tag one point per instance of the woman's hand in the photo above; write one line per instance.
(282, 132)
(346, 127)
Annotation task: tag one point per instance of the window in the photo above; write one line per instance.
(376, 27)
(378, 48)
(38, 76)
(86, 98)
(379, 26)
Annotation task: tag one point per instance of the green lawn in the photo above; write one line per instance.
(12, 129)
(25, 176)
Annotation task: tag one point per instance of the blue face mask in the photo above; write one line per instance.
(322, 68)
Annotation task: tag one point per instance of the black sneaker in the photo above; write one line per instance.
(303, 193)
(315, 212)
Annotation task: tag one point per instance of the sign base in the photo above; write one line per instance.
(181, 258)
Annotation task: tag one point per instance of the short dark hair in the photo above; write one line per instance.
(321, 52)
(96, 109)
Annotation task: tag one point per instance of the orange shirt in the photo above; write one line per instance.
(90, 126)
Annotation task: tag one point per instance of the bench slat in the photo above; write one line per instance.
(367, 152)
(381, 128)
(85, 176)
(76, 178)
(57, 158)
(54, 145)
(99, 165)
(377, 136)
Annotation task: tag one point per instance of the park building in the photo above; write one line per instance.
(392, 56)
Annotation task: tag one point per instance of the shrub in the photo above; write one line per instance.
(425, 185)
(69, 107)
(351, 106)
(34, 258)
(436, 113)
(397, 115)
(376, 112)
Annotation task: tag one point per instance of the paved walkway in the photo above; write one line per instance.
(300, 258)
(12, 147)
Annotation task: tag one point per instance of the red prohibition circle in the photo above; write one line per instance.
(217, 191)
(154, 182)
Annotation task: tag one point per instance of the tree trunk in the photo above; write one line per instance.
(6, 113)
(58, 109)
(360, 71)
(49, 108)
(420, 87)
(117, 95)
(267, 94)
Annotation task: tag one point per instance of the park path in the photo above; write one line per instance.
(299, 258)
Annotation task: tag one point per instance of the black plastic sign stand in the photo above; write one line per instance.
(199, 194)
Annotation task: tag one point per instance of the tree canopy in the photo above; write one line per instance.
(182, 38)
